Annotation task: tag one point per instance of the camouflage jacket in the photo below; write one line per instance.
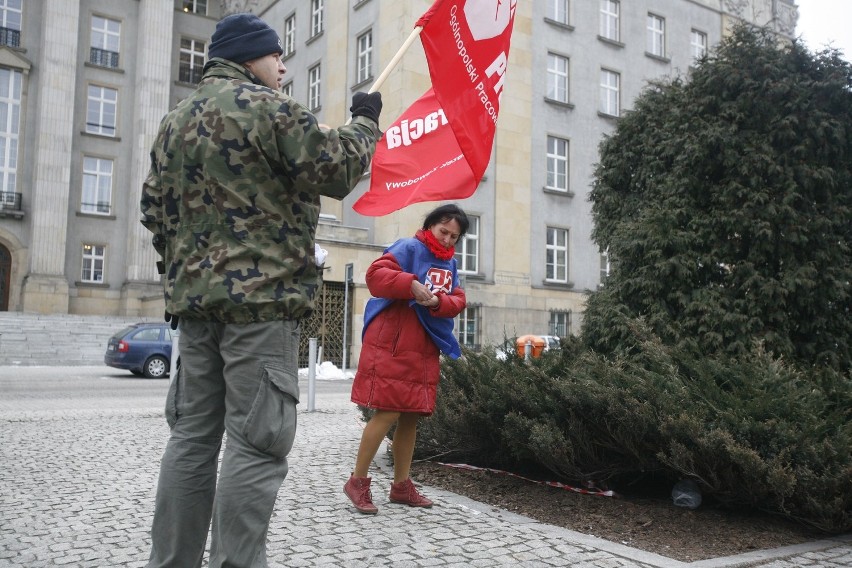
(233, 197)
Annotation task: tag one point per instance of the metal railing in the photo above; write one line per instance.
(10, 37)
(10, 201)
(102, 57)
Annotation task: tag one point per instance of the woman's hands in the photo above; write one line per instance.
(423, 295)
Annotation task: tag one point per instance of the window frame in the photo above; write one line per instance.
(558, 79)
(10, 133)
(10, 26)
(469, 327)
(557, 8)
(315, 87)
(316, 17)
(102, 55)
(655, 29)
(468, 248)
(607, 91)
(99, 128)
(188, 70)
(694, 47)
(94, 261)
(610, 19)
(554, 159)
(98, 176)
(364, 57)
(191, 6)
(556, 256)
(289, 39)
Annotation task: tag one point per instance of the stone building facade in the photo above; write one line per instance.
(84, 83)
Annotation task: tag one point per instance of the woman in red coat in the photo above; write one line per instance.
(407, 324)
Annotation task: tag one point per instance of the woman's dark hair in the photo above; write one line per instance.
(445, 213)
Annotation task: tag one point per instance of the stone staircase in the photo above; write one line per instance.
(57, 339)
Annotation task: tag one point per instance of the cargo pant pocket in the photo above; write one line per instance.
(271, 423)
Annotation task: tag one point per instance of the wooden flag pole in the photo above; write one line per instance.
(393, 62)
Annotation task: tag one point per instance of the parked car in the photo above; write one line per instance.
(143, 349)
(511, 345)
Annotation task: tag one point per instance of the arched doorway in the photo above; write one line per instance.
(5, 273)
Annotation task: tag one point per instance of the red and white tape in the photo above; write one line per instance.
(589, 490)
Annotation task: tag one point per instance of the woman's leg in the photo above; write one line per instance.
(403, 445)
(374, 432)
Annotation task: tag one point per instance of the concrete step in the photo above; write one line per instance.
(57, 339)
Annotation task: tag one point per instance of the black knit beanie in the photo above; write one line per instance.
(243, 37)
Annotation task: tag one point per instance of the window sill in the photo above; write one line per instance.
(558, 285)
(81, 284)
(186, 85)
(563, 104)
(104, 67)
(556, 23)
(95, 215)
(660, 58)
(612, 42)
(364, 83)
(102, 136)
(359, 4)
(288, 56)
(613, 117)
(313, 38)
(559, 192)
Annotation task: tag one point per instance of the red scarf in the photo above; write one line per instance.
(436, 248)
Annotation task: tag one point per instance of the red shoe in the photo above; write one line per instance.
(404, 492)
(358, 491)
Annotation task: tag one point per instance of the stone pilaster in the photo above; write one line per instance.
(45, 289)
(153, 79)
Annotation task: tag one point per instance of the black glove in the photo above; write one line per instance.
(172, 318)
(366, 104)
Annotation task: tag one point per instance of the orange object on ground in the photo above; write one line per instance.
(537, 345)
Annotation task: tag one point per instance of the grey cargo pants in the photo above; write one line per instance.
(243, 380)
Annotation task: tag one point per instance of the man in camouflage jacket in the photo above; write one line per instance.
(233, 200)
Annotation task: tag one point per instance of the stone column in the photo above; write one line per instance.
(153, 79)
(46, 288)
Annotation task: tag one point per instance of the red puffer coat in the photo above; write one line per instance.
(399, 366)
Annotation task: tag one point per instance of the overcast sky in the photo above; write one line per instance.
(823, 22)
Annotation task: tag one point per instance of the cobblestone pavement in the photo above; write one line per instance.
(80, 450)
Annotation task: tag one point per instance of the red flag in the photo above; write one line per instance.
(467, 47)
(417, 159)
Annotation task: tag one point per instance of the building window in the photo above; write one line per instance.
(557, 255)
(656, 36)
(10, 124)
(557, 163)
(557, 78)
(698, 44)
(290, 36)
(604, 268)
(100, 110)
(287, 89)
(10, 22)
(557, 10)
(560, 323)
(365, 57)
(314, 84)
(93, 263)
(316, 17)
(610, 19)
(469, 326)
(191, 65)
(467, 248)
(195, 7)
(97, 186)
(610, 92)
(106, 39)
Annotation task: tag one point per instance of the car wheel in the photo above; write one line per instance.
(156, 367)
